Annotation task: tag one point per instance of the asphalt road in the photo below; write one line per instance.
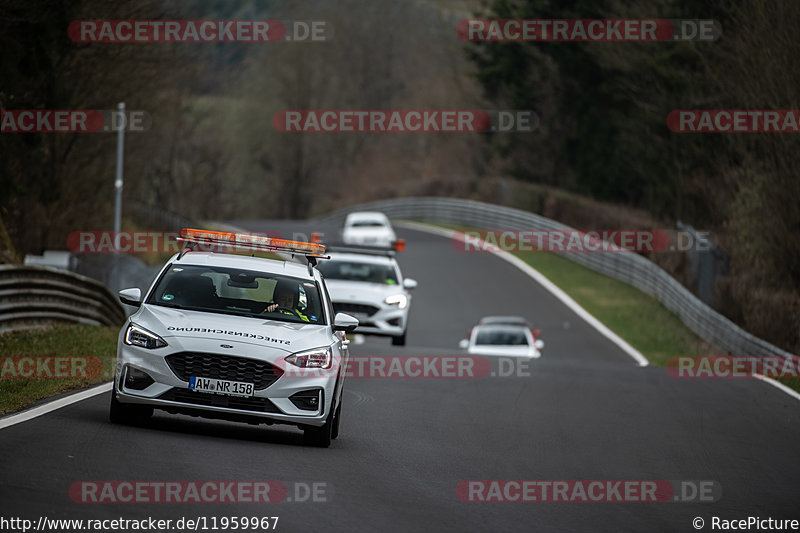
(586, 411)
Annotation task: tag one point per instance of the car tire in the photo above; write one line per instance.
(319, 437)
(120, 413)
(399, 340)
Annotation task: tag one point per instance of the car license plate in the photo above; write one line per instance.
(221, 386)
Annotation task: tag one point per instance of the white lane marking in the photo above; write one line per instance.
(548, 285)
(780, 386)
(30, 414)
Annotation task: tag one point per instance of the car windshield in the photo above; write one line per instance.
(502, 337)
(354, 271)
(239, 292)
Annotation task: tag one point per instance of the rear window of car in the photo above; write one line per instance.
(236, 292)
(501, 337)
(367, 224)
(355, 271)
(504, 321)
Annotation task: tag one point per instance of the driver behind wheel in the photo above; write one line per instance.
(286, 297)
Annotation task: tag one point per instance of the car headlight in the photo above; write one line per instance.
(138, 336)
(315, 358)
(400, 299)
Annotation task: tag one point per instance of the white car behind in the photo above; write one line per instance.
(371, 288)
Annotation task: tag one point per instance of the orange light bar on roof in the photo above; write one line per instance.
(245, 240)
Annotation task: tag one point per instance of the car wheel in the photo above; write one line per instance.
(337, 418)
(399, 341)
(120, 413)
(321, 436)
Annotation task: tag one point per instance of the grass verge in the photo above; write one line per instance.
(24, 352)
(638, 318)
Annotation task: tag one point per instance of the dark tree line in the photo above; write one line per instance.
(604, 133)
(212, 153)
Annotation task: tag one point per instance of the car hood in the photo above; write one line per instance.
(286, 336)
(359, 291)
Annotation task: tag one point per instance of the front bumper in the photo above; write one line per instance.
(385, 320)
(170, 393)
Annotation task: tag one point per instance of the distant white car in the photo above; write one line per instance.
(368, 228)
(370, 287)
(494, 338)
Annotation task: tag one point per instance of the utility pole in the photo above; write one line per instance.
(118, 192)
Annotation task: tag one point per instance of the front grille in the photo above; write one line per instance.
(261, 405)
(206, 365)
(342, 307)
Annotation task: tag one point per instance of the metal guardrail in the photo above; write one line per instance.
(33, 297)
(628, 267)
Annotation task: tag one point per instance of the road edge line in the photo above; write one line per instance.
(35, 412)
(537, 276)
(778, 385)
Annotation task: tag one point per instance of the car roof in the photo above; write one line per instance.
(501, 327)
(510, 320)
(261, 264)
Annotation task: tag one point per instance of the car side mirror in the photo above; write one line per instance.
(463, 344)
(131, 297)
(409, 283)
(538, 344)
(344, 322)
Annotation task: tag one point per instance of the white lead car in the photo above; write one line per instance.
(221, 335)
